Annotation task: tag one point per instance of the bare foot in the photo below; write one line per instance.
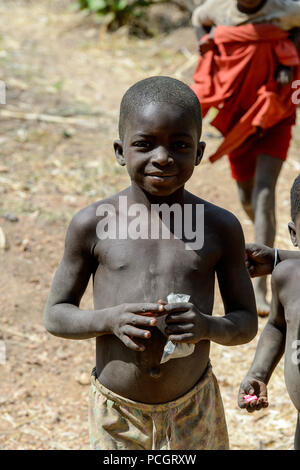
(260, 290)
(263, 308)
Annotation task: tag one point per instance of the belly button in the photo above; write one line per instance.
(155, 372)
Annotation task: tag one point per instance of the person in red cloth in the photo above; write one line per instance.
(246, 65)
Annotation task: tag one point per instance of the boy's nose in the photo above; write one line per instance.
(161, 156)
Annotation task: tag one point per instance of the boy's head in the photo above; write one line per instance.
(294, 225)
(160, 126)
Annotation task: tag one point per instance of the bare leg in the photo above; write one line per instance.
(297, 434)
(245, 189)
(263, 202)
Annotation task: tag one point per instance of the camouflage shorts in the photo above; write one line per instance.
(194, 421)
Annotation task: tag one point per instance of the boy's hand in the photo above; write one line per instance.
(129, 320)
(252, 386)
(205, 46)
(259, 259)
(185, 324)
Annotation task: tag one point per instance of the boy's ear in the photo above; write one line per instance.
(292, 230)
(118, 146)
(200, 151)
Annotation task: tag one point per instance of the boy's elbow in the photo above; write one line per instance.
(250, 328)
(49, 322)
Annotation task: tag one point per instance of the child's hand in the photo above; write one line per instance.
(259, 259)
(205, 46)
(129, 321)
(185, 324)
(252, 386)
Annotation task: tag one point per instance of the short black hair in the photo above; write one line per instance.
(155, 90)
(295, 198)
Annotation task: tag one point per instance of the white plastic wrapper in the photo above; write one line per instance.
(171, 350)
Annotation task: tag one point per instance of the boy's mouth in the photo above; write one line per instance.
(160, 177)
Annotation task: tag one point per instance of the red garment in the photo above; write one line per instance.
(274, 142)
(238, 77)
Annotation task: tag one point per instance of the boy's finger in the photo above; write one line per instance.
(253, 404)
(177, 329)
(146, 308)
(258, 406)
(250, 409)
(141, 320)
(242, 404)
(179, 317)
(183, 338)
(132, 344)
(178, 307)
(241, 401)
(263, 401)
(136, 332)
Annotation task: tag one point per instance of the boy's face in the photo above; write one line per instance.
(294, 228)
(160, 148)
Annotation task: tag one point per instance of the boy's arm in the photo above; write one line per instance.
(239, 325)
(269, 350)
(260, 258)
(62, 315)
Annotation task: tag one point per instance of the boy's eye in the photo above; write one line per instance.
(144, 144)
(181, 145)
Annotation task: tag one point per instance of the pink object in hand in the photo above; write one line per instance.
(250, 398)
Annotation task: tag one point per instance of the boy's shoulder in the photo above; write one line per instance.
(213, 214)
(285, 271)
(84, 222)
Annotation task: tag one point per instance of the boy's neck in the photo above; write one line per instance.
(142, 197)
(245, 9)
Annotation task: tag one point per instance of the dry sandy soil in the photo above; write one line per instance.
(59, 65)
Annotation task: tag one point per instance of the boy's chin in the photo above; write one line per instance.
(160, 192)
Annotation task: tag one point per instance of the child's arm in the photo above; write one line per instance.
(260, 258)
(268, 353)
(185, 323)
(239, 325)
(64, 318)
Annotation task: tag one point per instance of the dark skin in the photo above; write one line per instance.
(278, 337)
(260, 258)
(258, 200)
(160, 149)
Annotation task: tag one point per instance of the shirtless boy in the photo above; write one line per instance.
(256, 163)
(282, 331)
(135, 401)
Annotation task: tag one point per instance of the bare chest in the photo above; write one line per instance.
(148, 270)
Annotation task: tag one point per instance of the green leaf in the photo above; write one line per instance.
(97, 5)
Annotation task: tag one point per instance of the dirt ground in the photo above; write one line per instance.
(65, 78)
